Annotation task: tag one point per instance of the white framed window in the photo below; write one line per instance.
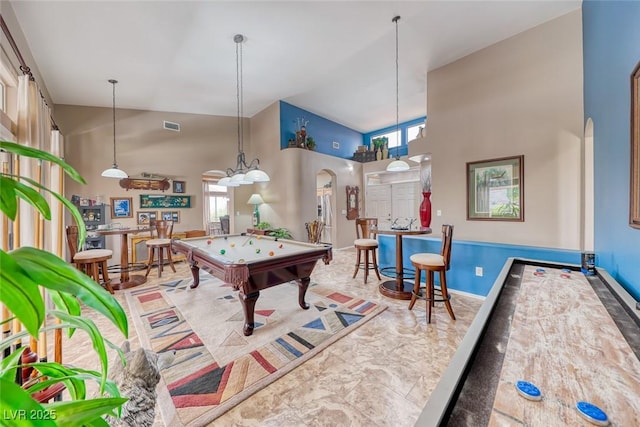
(393, 138)
(413, 132)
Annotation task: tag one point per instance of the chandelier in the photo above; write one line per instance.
(243, 173)
(397, 165)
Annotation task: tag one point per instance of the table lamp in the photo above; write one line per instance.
(255, 200)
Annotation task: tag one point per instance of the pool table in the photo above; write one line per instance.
(252, 263)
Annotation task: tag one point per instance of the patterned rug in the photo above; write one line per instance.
(216, 366)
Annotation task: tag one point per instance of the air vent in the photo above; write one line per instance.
(172, 126)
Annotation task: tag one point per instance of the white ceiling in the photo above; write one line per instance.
(333, 58)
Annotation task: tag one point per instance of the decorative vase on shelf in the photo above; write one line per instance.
(386, 151)
(425, 209)
(379, 153)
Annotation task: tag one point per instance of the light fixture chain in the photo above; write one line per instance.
(113, 83)
(396, 19)
(238, 78)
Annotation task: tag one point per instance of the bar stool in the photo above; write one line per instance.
(431, 263)
(367, 244)
(92, 262)
(161, 243)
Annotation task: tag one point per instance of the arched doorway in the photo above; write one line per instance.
(217, 201)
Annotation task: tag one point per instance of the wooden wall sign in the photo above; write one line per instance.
(144, 184)
(149, 201)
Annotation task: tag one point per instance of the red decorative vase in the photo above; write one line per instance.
(425, 209)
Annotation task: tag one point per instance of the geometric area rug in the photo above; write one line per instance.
(216, 366)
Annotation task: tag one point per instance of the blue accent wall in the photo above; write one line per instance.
(466, 256)
(323, 131)
(611, 43)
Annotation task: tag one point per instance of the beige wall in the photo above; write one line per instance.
(204, 143)
(290, 196)
(520, 96)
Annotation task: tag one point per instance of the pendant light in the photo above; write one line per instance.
(397, 165)
(242, 173)
(113, 171)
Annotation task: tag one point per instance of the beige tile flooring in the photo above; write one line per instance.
(379, 375)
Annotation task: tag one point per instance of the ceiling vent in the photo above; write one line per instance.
(171, 126)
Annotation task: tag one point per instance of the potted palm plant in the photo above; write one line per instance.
(25, 271)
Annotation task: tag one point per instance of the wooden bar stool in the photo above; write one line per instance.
(367, 244)
(92, 262)
(431, 263)
(161, 243)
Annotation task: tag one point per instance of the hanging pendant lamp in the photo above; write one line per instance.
(243, 173)
(397, 165)
(113, 171)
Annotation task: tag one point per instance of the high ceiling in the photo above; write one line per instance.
(333, 58)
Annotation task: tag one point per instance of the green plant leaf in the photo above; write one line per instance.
(8, 366)
(17, 405)
(20, 294)
(8, 202)
(23, 150)
(67, 303)
(96, 338)
(82, 412)
(57, 373)
(34, 198)
(54, 273)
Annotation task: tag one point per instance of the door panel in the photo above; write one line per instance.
(378, 202)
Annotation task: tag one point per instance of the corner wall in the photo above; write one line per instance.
(611, 51)
(520, 96)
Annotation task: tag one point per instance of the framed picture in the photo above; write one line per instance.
(158, 201)
(178, 186)
(634, 199)
(121, 207)
(145, 217)
(495, 189)
(170, 216)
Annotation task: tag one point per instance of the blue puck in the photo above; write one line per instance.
(592, 413)
(566, 270)
(528, 390)
(540, 270)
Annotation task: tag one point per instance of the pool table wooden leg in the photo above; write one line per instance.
(195, 272)
(303, 284)
(248, 305)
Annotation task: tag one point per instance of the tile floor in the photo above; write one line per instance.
(379, 375)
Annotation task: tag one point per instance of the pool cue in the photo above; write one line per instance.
(248, 238)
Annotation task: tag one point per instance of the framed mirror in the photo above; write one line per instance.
(352, 202)
(634, 199)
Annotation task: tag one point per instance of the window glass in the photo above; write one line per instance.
(413, 132)
(216, 201)
(394, 138)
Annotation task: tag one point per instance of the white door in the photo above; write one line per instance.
(404, 198)
(378, 202)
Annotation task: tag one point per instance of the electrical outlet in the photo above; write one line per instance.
(479, 271)
(336, 145)
(438, 212)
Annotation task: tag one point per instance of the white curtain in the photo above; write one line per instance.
(34, 130)
(56, 181)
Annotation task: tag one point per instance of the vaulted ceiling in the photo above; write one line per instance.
(333, 58)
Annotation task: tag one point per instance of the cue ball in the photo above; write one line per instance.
(233, 245)
(222, 251)
(271, 253)
(241, 260)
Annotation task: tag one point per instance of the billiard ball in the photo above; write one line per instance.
(258, 250)
(280, 246)
(222, 251)
(258, 237)
(209, 242)
(233, 245)
(271, 253)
